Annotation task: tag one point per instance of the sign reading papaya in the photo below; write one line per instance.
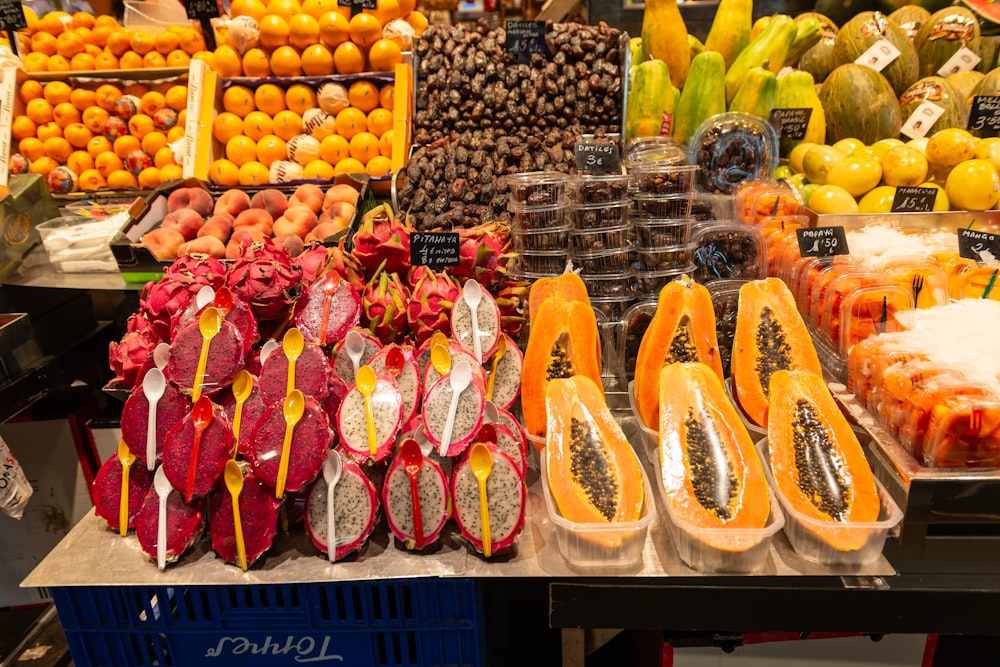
(822, 241)
(597, 158)
(12, 15)
(984, 118)
(435, 250)
(525, 38)
(791, 124)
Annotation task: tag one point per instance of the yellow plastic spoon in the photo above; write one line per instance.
(234, 482)
(127, 458)
(497, 356)
(209, 323)
(292, 408)
(441, 359)
(242, 388)
(292, 344)
(366, 382)
(481, 462)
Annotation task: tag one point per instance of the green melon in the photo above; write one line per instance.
(859, 102)
(964, 83)
(938, 91)
(990, 84)
(910, 18)
(930, 5)
(862, 32)
(840, 11)
(946, 32)
(818, 60)
(989, 49)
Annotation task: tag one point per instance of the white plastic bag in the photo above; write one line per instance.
(14, 487)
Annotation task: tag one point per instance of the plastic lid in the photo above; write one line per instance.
(732, 148)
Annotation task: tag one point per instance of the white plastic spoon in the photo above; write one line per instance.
(354, 344)
(267, 348)
(460, 376)
(163, 488)
(331, 475)
(153, 385)
(161, 355)
(473, 294)
(204, 297)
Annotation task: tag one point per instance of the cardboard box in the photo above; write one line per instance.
(24, 204)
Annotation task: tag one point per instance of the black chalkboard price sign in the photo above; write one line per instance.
(204, 11)
(984, 118)
(525, 38)
(972, 244)
(435, 250)
(791, 124)
(822, 241)
(597, 158)
(913, 199)
(12, 16)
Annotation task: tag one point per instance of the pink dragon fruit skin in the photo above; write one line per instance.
(331, 404)
(266, 277)
(355, 506)
(107, 491)
(225, 357)
(408, 380)
(458, 353)
(171, 294)
(346, 266)
(384, 301)
(511, 445)
(505, 495)
(432, 296)
(387, 409)
(488, 317)
(314, 261)
(215, 449)
(172, 407)
(130, 357)
(507, 384)
(312, 374)
(185, 524)
(483, 253)
(382, 239)
(253, 408)
(468, 416)
(240, 315)
(310, 441)
(434, 499)
(514, 426)
(258, 516)
(343, 367)
(344, 311)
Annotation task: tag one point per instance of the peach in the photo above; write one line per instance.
(298, 220)
(323, 231)
(252, 216)
(341, 209)
(240, 238)
(290, 242)
(271, 200)
(187, 221)
(206, 245)
(233, 202)
(219, 225)
(307, 194)
(163, 243)
(196, 199)
(340, 192)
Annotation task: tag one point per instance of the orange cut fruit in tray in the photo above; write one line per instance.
(238, 100)
(31, 148)
(226, 126)
(317, 60)
(285, 61)
(303, 30)
(363, 95)
(269, 98)
(300, 97)
(257, 124)
(287, 124)
(364, 29)
(334, 148)
(348, 58)
(271, 148)
(379, 121)
(256, 63)
(334, 29)
(273, 31)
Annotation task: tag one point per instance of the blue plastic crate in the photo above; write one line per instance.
(424, 622)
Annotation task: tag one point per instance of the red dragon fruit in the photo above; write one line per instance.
(253, 408)
(483, 253)
(432, 296)
(258, 519)
(239, 314)
(171, 294)
(312, 374)
(355, 508)
(311, 439)
(265, 276)
(384, 301)
(214, 449)
(132, 355)
(343, 367)
(314, 262)
(344, 263)
(225, 357)
(185, 524)
(171, 408)
(382, 238)
(505, 497)
(333, 299)
(107, 491)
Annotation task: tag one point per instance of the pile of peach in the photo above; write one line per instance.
(197, 223)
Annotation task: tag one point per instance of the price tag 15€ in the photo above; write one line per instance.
(921, 120)
(879, 55)
(822, 241)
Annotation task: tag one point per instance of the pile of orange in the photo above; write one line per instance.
(65, 126)
(63, 42)
(313, 38)
(255, 125)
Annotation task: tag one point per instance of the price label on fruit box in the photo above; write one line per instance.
(12, 15)
(435, 250)
(822, 241)
(964, 60)
(525, 38)
(597, 158)
(920, 121)
(984, 118)
(979, 246)
(202, 9)
(913, 200)
(879, 55)
(791, 124)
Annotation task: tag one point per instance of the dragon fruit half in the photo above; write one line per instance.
(355, 508)
(382, 239)
(185, 524)
(311, 439)
(483, 253)
(487, 321)
(333, 299)
(468, 414)
(215, 448)
(265, 276)
(252, 409)
(432, 296)
(239, 314)
(387, 411)
(225, 357)
(432, 496)
(408, 379)
(107, 491)
(505, 496)
(171, 408)
(343, 367)
(384, 301)
(132, 355)
(258, 518)
(312, 374)
(458, 355)
(507, 377)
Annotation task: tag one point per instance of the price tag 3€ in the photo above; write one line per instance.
(920, 121)
(879, 55)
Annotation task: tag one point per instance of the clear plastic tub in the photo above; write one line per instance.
(603, 261)
(765, 198)
(599, 240)
(651, 282)
(536, 188)
(980, 282)
(605, 546)
(599, 216)
(666, 258)
(657, 178)
(154, 17)
(641, 151)
(963, 433)
(541, 239)
(656, 233)
(79, 243)
(650, 436)
(612, 307)
(621, 285)
(802, 530)
(923, 277)
(548, 263)
(869, 311)
(729, 252)
(725, 300)
(664, 206)
(538, 218)
(636, 320)
(708, 207)
(599, 188)
(732, 148)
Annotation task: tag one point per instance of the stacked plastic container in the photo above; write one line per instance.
(538, 208)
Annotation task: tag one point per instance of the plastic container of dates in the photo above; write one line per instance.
(532, 240)
(603, 261)
(610, 284)
(546, 263)
(651, 282)
(612, 308)
(599, 188)
(726, 301)
(712, 208)
(728, 251)
(660, 149)
(537, 188)
(656, 232)
(664, 206)
(596, 240)
(537, 218)
(665, 258)
(598, 216)
(660, 178)
(636, 320)
(732, 148)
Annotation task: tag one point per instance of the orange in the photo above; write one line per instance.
(82, 62)
(55, 22)
(136, 88)
(334, 148)
(23, 127)
(227, 62)
(153, 142)
(130, 60)
(364, 146)
(385, 144)
(82, 20)
(348, 165)
(348, 58)
(317, 8)
(140, 125)
(152, 102)
(226, 126)
(106, 20)
(284, 8)
(164, 157)
(106, 60)
(271, 148)
(99, 144)
(176, 97)
(78, 135)
(171, 172)
(31, 148)
(364, 29)
(83, 33)
(92, 50)
(387, 96)
(167, 41)
(141, 42)
(256, 63)
(224, 172)
(39, 110)
(176, 133)
(406, 6)
(379, 121)
(252, 8)
(125, 145)
(273, 31)
(99, 35)
(107, 162)
(43, 165)
(241, 149)
(334, 29)
(253, 173)
(269, 98)
(65, 113)
(119, 42)
(107, 96)
(57, 92)
(384, 55)
(36, 62)
(91, 179)
(363, 95)
(178, 58)
(43, 42)
(287, 124)
(385, 11)
(285, 61)
(257, 124)
(120, 179)
(154, 59)
(318, 169)
(82, 98)
(80, 161)
(182, 117)
(317, 60)
(350, 121)
(303, 30)
(379, 166)
(300, 97)
(150, 178)
(58, 148)
(68, 44)
(417, 21)
(238, 100)
(49, 129)
(94, 118)
(192, 41)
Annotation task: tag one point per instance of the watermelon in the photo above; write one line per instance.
(910, 18)
(859, 102)
(946, 32)
(862, 32)
(938, 91)
(818, 60)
